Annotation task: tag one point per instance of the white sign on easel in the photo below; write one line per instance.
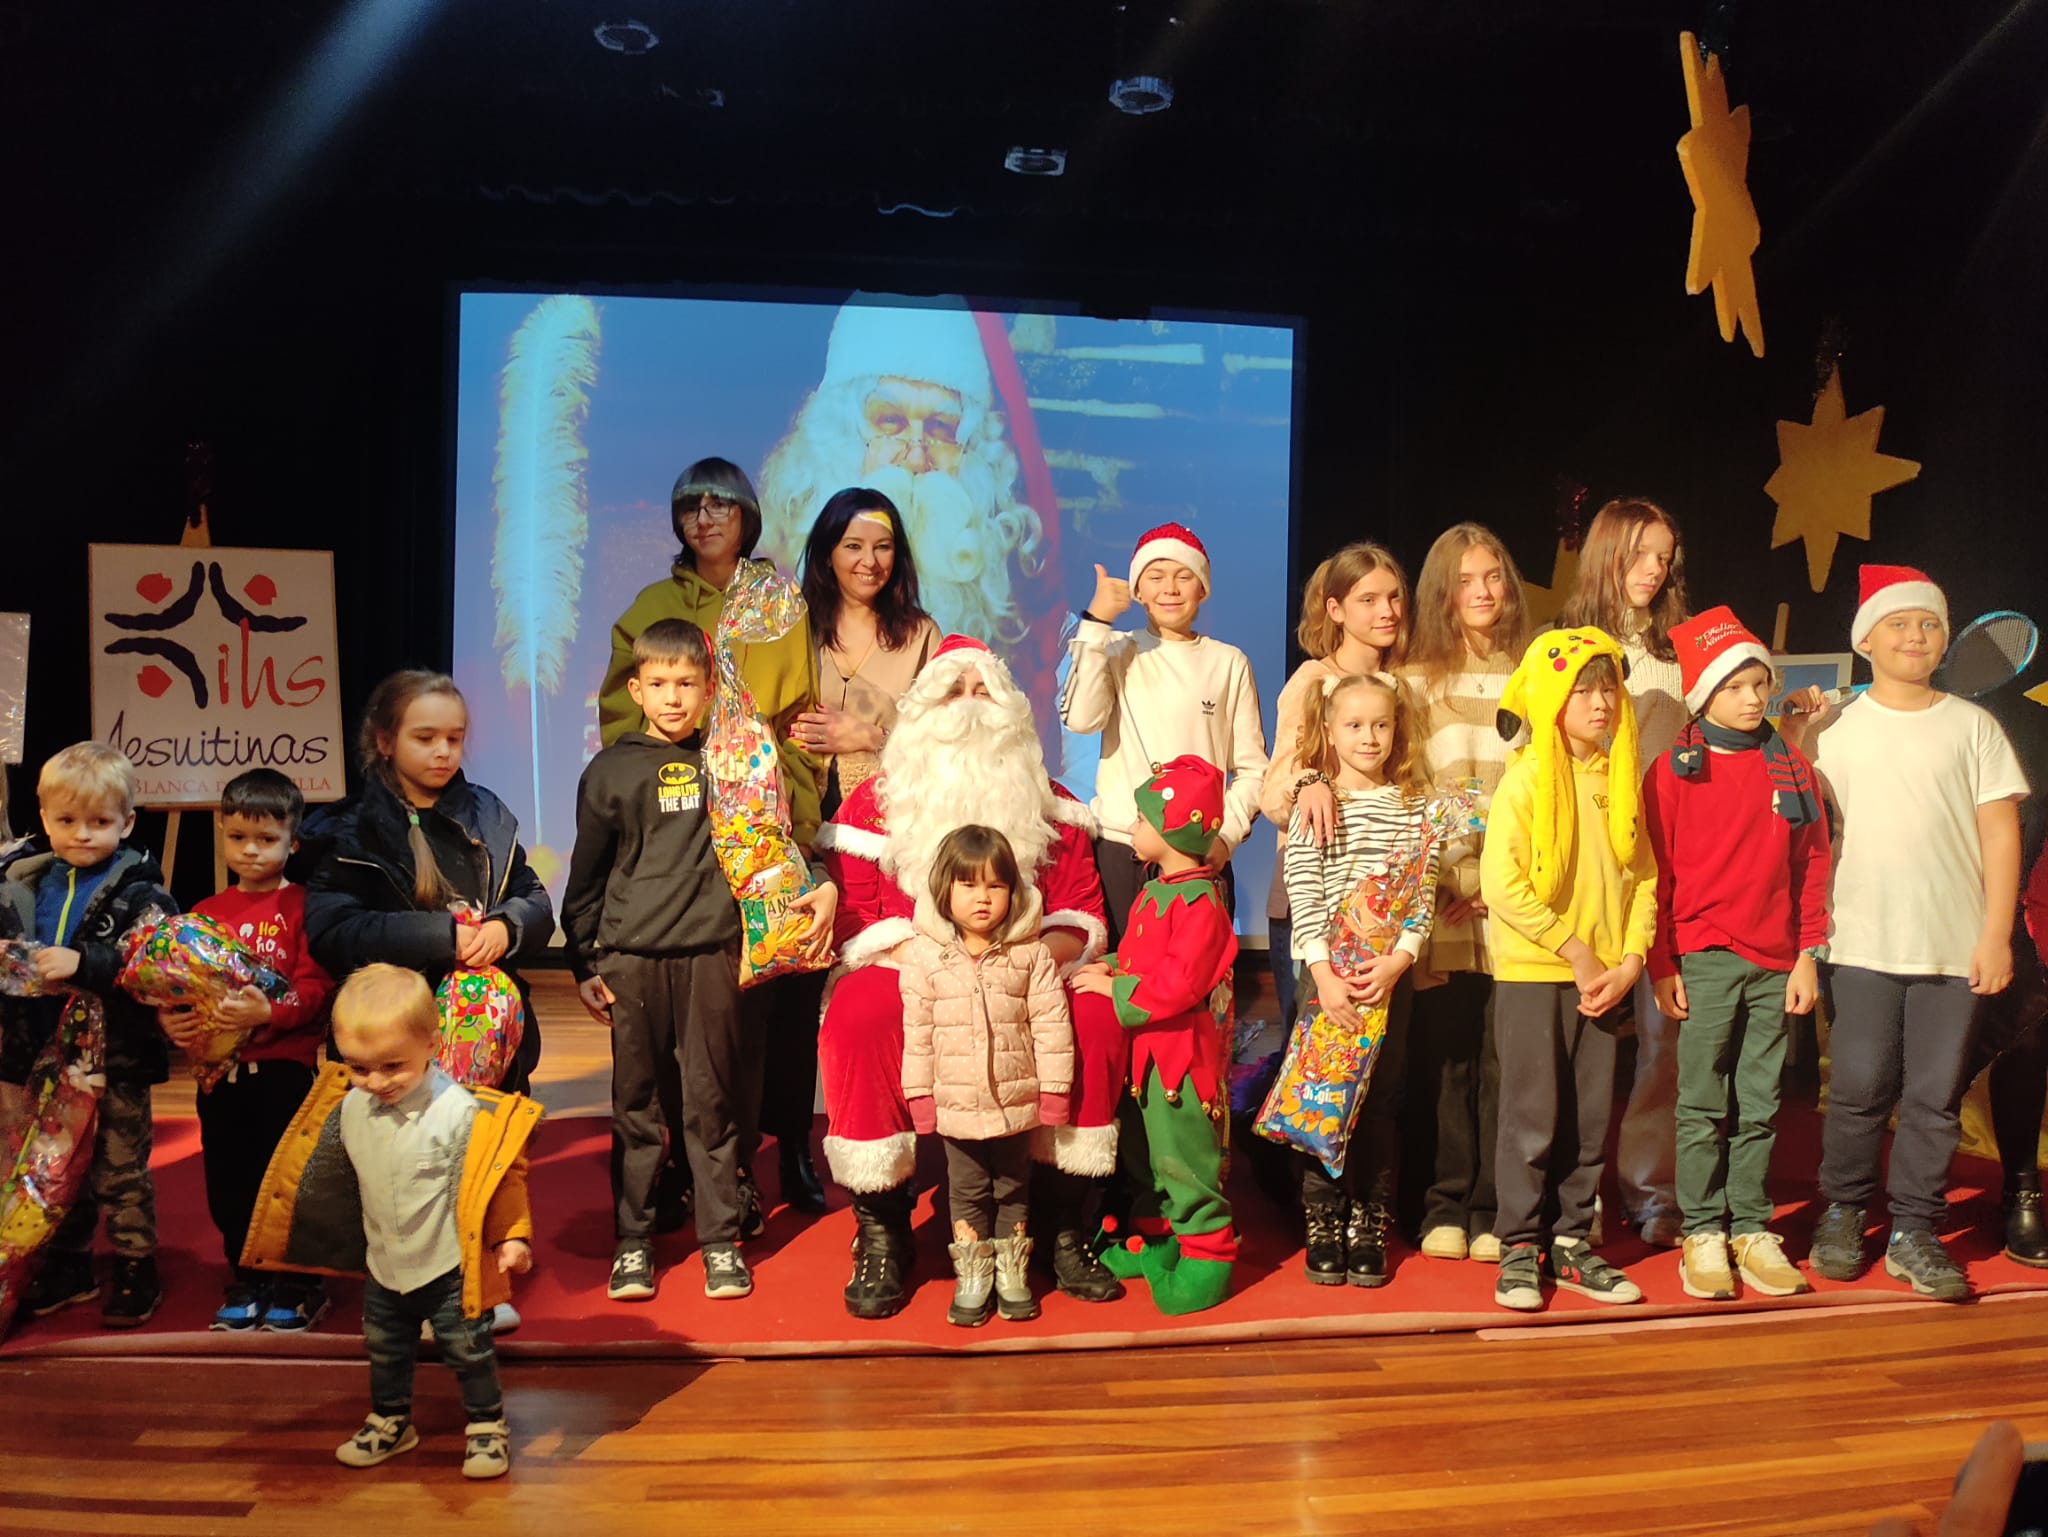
(208, 662)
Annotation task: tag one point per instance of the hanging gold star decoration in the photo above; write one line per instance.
(2039, 693)
(1545, 603)
(1715, 158)
(1828, 470)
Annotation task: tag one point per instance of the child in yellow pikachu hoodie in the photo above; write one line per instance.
(1570, 890)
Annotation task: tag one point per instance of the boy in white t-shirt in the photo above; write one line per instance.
(1926, 878)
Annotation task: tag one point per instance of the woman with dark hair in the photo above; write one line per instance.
(860, 584)
(717, 518)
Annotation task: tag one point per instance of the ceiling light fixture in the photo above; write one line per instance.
(1035, 162)
(1141, 94)
(625, 37)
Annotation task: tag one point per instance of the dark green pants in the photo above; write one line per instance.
(1731, 1053)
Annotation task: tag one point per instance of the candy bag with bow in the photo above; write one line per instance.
(750, 826)
(483, 1018)
(46, 1153)
(187, 960)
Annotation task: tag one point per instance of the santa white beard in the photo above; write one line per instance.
(974, 762)
(965, 528)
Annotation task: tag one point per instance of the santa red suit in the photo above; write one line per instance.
(952, 761)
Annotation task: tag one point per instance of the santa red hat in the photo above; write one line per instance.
(1886, 590)
(1172, 541)
(1712, 647)
(954, 643)
(1184, 801)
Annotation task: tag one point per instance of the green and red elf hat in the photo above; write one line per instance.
(1183, 800)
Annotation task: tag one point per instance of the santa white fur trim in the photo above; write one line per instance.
(1096, 934)
(1894, 599)
(1089, 1151)
(874, 942)
(869, 1168)
(860, 842)
(1075, 814)
(1721, 669)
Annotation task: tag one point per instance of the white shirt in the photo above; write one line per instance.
(408, 1160)
(1154, 701)
(1909, 866)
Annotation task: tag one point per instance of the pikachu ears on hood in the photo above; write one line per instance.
(1541, 684)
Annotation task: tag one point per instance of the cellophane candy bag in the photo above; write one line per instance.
(187, 960)
(1327, 1068)
(750, 825)
(46, 1152)
(483, 1018)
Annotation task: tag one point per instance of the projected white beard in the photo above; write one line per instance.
(971, 762)
(967, 528)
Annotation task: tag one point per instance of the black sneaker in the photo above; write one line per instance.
(1365, 1244)
(1837, 1251)
(632, 1272)
(1324, 1260)
(64, 1279)
(136, 1296)
(725, 1273)
(1577, 1268)
(295, 1306)
(1918, 1258)
(241, 1308)
(1521, 1279)
(752, 1223)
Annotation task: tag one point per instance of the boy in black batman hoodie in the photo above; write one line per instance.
(653, 934)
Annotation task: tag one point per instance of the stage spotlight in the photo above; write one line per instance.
(1141, 94)
(1035, 162)
(625, 37)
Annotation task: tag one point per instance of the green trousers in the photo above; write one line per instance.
(1171, 1159)
(1731, 1053)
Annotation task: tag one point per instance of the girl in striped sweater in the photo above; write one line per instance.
(1471, 627)
(1363, 740)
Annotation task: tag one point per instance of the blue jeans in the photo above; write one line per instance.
(391, 1332)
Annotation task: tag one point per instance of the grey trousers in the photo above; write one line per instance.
(1556, 1098)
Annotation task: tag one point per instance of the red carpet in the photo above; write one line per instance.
(799, 1268)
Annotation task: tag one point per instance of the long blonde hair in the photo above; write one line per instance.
(1437, 641)
(1404, 766)
(383, 717)
(1610, 549)
(1318, 633)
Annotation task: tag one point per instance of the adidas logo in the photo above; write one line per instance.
(1208, 707)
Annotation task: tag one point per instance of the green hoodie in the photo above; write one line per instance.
(782, 675)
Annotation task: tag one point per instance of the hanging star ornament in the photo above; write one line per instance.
(1714, 155)
(1545, 603)
(1828, 470)
(2039, 693)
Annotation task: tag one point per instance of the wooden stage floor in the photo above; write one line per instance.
(1810, 1423)
(1807, 1423)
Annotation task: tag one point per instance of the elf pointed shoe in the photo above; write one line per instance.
(974, 1266)
(1013, 1285)
(1182, 1283)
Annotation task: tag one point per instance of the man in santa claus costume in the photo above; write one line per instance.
(964, 751)
(926, 405)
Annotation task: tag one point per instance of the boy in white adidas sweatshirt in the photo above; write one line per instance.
(1156, 695)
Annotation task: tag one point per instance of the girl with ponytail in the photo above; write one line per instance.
(391, 862)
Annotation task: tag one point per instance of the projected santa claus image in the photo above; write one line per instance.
(1020, 448)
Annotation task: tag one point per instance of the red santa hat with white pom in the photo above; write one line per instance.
(1886, 590)
(1172, 541)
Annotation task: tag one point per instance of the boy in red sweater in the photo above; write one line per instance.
(1733, 816)
(243, 1116)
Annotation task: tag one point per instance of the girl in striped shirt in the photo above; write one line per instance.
(1363, 742)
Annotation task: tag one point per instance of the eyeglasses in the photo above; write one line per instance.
(708, 509)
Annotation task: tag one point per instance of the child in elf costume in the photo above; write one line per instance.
(1178, 945)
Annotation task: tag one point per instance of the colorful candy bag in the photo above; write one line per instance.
(483, 1019)
(46, 1153)
(190, 961)
(750, 827)
(1326, 1070)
